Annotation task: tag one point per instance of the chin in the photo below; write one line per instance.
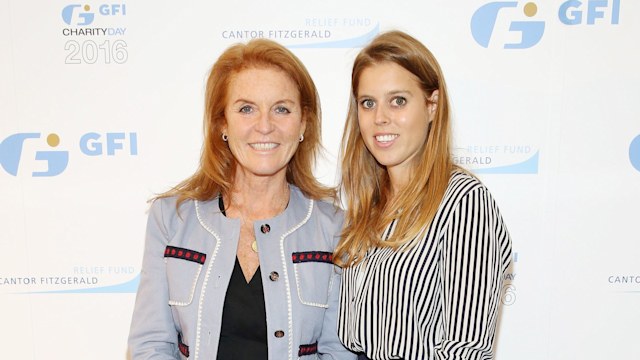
(266, 171)
(386, 160)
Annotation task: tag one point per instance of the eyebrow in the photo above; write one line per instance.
(396, 92)
(243, 100)
(390, 93)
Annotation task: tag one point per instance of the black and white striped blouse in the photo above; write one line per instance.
(440, 299)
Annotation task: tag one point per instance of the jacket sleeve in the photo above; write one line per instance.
(153, 334)
(329, 345)
(475, 253)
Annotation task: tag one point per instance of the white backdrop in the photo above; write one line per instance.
(101, 107)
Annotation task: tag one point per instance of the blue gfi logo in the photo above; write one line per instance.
(484, 19)
(91, 144)
(81, 15)
(634, 152)
(571, 12)
(11, 153)
(84, 16)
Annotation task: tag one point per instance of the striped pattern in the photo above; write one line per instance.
(438, 299)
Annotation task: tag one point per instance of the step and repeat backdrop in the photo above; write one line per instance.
(101, 107)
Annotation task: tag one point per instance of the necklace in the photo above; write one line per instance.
(281, 207)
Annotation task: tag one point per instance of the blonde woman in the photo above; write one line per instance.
(424, 247)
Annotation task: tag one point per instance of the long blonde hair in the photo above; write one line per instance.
(216, 172)
(365, 183)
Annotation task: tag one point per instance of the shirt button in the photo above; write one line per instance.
(265, 228)
(279, 334)
(273, 276)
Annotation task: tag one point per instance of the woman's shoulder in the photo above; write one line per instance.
(168, 204)
(329, 209)
(171, 209)
(462, 177)
(322, 207)
(461, 183)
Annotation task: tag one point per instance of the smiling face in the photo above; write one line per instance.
(263, 121)
(393, 116)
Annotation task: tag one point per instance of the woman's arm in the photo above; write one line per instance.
(329, 345)
(475, 254)
(153, 334)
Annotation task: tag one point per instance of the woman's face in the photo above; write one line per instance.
(393, 115)
(264, 121)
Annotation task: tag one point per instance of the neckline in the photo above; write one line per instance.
(286, 206)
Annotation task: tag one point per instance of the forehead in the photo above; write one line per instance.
(385, 77)
(262, 81)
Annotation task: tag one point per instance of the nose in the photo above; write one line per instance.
(265, 123)
(381, 116)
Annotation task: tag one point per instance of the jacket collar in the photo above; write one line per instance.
(295, 214)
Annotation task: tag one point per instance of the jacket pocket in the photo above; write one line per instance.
(313, 272)
(183, 271)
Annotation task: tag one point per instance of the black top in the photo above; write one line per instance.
(244, 320)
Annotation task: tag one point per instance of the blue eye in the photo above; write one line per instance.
(282, 110)
(246, 109)
(398, 101)
(367, 103)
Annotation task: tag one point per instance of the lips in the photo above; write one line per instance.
(264, 146)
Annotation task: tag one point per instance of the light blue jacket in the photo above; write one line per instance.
(188, 260)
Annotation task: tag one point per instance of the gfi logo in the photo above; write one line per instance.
(484, 20)
(570, 12)
(11, 152)
(91, 144)
(81, 15)
(84, 18)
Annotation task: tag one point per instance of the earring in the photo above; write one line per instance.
(224, 137)
(301, 137)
